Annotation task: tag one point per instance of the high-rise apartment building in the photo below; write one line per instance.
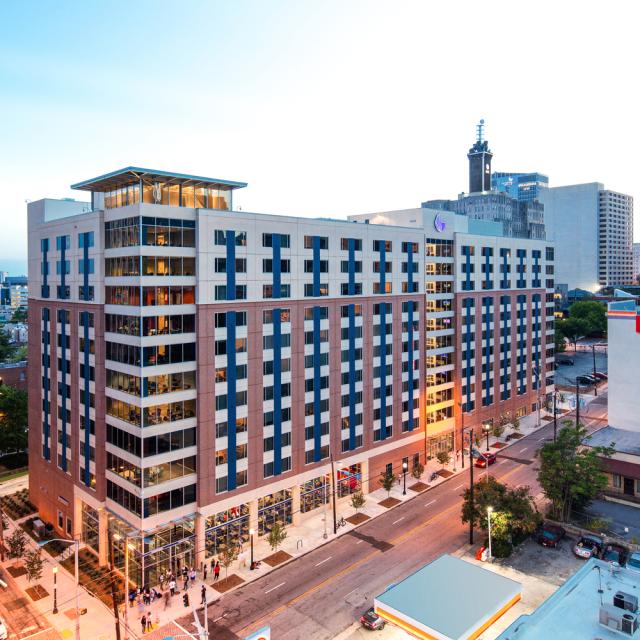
(592, 229)
(203, 369)
(636, 262)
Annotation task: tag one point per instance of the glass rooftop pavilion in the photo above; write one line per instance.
(133, 185)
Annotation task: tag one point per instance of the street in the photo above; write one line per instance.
(324, 592)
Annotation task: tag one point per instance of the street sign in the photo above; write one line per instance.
(260, 634)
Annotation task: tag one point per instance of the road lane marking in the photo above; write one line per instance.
(459, 486)
(354, 565)
(523, 450)
(398, 520)
(274, 588)
(360, 542)
(321, 562)
(429, 503)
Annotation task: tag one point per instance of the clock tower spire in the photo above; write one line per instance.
(480, 162)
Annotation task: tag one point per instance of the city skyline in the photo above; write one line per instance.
(293, 98)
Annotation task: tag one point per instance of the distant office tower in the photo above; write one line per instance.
(203, 371)
(593, 232)
(480, 162)
(524, 187)
(636, 261)
(517, 210)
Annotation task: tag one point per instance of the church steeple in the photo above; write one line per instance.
(480, 162)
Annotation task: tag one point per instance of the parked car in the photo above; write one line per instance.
(633, 562)
(586, 379)
(599, 375)
(549, 535)
(486, 459)
(567, 361)
(4, 632)
(588, 547)
(615, 554)
(371, 620)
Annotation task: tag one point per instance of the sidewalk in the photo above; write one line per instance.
(98, 623)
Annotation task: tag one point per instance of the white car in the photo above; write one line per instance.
(4, 632)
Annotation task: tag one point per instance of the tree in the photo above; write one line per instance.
(358, 500)
(514, 513)
(573, 329)
(13, 419)
(6, 348)
(443, 458)
(277, 536)
(594, 315)
(227, 557)
(19, 315)
(559, 338)
(417, 471)
(33, 564)
(16, 543)
(571, 474)
(386, 480)
(516, 424)
(497, 429)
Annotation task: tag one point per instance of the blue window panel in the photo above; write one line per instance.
(62, 243)
(352, 266)
(410, 336)
(487, 349)
(383, 360)
(352, 370)
(383, 270)
(316, 266)
(277, 384)
(46, 426)
(85, 240)
(317, 416)
(231, 393)
(277, 279)
(64, 418)
(86, 399)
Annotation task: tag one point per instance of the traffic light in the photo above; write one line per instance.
(185, 599)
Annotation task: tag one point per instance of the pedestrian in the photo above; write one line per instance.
(132, 597)
(186, 583)
(203, 595)
(185, 571)
(149, 621)
(205, 571)
(213, 564)
(172, 586)
(192, 575)
(162, 579)
(143, 622)
(147, 597)
(167, 597)
(216, 571)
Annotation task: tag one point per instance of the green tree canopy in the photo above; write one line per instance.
(6, 348)
(514, 513)
(593, 313)
(13, 419)
(571, 474)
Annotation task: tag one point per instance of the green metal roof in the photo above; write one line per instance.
(132, 175)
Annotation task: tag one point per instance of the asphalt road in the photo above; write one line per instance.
(322, 593)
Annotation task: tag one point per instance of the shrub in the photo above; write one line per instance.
(417, 471)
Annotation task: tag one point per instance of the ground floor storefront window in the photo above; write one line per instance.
(274, 508)
(348, 480)
(90, 527)
(314, 493)
(436, 444)
(228, 528)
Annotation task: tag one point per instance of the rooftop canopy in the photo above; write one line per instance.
(133, 175)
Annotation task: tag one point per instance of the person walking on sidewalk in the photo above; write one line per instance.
(192, 576)
(143, 623)
(205, 571)
(149, 625)
(186, 582)
(172, 586)
(162, 579)
(203, 595)
(216, 571)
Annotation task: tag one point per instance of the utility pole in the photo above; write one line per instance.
(1, 534)
(471, 484)
(555, 414)
(595, 382)
(333, 494)
(462, 433)
(113, 587)
(577, 403)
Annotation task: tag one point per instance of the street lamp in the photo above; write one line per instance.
(489, 512)
(251, 533)
(470, 429)
(76, 544)
(405, 466)
(486, 427)
(55, 590)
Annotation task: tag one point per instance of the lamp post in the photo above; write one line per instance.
(470, 429)
(55, 590)
(251, 533)
(489, 512)
(76, 544)
(486, 427)
(595, 382)
(405, 466)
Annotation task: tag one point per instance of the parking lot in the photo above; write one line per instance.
(583, 364)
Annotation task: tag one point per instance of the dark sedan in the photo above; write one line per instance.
(371, 620)
(549, 535)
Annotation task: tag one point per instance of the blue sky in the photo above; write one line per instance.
(324, 108)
